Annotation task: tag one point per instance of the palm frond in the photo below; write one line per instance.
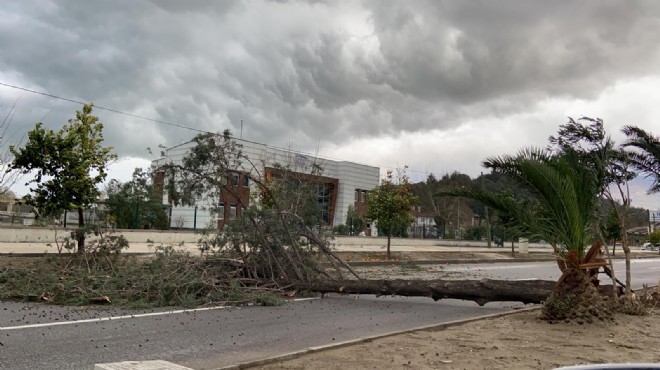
(647, 157)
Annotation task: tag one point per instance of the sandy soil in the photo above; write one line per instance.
(518, 341)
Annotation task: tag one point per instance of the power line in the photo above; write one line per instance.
(104, 108)
(173, 124)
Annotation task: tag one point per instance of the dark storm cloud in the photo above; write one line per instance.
(308, 72)
(476, 50)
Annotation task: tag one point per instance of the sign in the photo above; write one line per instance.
(654, 216)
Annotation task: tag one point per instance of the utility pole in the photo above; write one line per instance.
(458, 217)
(241, 129)
(483, 187)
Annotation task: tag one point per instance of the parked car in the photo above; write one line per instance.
(650, 247)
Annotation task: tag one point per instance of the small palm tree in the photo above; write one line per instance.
(565, 188)
(647, 157)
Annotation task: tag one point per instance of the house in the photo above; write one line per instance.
(423, 225)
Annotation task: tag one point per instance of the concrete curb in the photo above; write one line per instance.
(310, 350)
(467, 261)
(440, 262)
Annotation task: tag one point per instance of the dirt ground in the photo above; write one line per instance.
(517, 341)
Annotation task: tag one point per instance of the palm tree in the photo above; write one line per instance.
(565, 188)
(647, 157)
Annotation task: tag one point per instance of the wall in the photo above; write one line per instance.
(47, 235)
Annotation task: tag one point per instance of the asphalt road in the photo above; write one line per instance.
(52, 337)
(48, 337)
(644, 271)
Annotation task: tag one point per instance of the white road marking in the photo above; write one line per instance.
(509, 267)
(99, 319)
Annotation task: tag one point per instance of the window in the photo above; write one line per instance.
(221, 211)
(232, 211)
(246, 181)
(357, 195)
(364, 196)
(234, 179)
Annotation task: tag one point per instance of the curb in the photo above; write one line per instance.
(467, 261)
(310, 350)
(442, 262)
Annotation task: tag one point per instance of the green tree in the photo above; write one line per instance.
(68, 165)
(611, 229)
(136, 203)
(354, 221)
(654, 237)
(389, 205)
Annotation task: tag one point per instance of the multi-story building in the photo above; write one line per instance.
(340, 184)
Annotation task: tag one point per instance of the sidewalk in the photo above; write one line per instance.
(543, 253)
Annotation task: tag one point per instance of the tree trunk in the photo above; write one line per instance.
(626, 252)
(81, 233)
(389, 239)
(479, 291)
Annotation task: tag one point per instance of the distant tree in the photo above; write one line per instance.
(654, 237)
(136, 203)
(390, 204)
(611, 230)
(445, 210)
(68, 164)
(354, 221)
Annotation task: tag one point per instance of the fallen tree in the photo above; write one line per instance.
(479, 291)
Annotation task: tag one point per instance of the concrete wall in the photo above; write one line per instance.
(20, 234)
(47, 235)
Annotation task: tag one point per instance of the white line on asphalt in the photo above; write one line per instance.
(57, 323)
(306, 299)
(98, 319)
(500, 267)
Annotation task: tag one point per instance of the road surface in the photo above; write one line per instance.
(645, 271)
(52, 337)
(48, 337)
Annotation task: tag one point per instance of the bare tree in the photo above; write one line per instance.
(274, 230)
(8, 175)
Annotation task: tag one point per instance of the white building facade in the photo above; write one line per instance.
(348, 182)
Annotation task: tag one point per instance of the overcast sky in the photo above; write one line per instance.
(435, 85)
